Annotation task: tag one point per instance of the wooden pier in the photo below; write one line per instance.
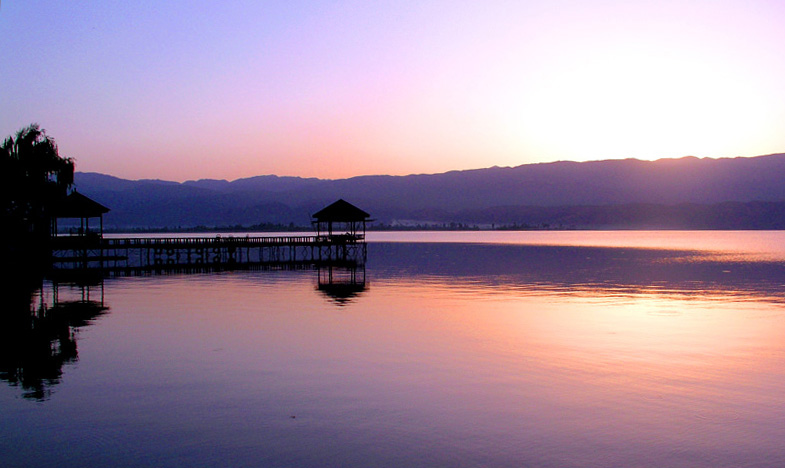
(218, 252)
(339, 241)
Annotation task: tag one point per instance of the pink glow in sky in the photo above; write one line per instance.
(188, 90)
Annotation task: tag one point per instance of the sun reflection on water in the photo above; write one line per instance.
(451, 355)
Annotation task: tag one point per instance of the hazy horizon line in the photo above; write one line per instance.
(183, 181)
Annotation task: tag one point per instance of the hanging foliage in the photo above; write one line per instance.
(34, 178)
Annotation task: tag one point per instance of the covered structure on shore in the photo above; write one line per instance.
(341, 219)
(78, 206)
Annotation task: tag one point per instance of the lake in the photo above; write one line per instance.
(545, 349)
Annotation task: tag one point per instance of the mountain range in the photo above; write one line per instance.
(684, 193)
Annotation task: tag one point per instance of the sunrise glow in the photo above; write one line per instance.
(231, 90)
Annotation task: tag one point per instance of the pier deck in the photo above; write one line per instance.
(70, 252)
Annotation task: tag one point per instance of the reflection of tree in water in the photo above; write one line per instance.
(341, 284)
(38, 333)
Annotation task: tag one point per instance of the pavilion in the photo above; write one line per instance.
(78, 206)
(341, 219)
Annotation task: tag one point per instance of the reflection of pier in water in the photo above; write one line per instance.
(40, 325)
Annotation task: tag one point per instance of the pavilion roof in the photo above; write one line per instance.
(341, 211)
(77, 205)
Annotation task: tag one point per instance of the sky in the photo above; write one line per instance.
(334, 89)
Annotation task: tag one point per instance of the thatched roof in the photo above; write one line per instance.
(341, 211)
(77, 205)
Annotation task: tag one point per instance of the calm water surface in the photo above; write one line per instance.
(461, 349)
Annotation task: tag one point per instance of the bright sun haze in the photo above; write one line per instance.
(337, 89)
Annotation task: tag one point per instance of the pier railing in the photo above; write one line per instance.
(185, 242)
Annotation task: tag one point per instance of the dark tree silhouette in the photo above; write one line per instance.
(33, 179)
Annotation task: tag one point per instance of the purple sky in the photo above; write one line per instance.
(188, 90)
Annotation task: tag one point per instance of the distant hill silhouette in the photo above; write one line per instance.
(729, 193)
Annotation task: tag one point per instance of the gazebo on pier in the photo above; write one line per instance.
(78, 206)
(340, 220)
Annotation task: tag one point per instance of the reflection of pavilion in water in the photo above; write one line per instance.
(341, 283)
(40, 326)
